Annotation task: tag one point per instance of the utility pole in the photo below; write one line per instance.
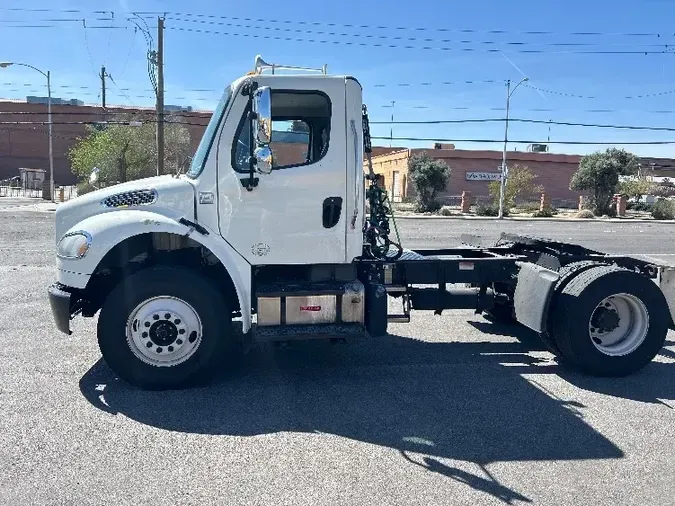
(160, 96)
(103, 76)
(502, 183)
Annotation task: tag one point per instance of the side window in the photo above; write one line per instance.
(300, 130)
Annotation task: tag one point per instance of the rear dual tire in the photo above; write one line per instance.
(608, 321)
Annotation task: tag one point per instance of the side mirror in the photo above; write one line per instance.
(263, 159)
(262, 129)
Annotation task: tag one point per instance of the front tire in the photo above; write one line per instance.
(609, 321)
(164, 328)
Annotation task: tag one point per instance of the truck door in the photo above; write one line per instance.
(296, 214)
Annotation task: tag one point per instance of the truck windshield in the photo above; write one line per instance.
(204, 148)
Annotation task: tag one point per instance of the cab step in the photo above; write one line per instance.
(306, 332)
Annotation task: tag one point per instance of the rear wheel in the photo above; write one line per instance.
(164, 328)
(609, 321)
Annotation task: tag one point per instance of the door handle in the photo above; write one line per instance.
(332, 209)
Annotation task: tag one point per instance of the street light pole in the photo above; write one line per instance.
(51, 146)
(502, 183)
(4, 65)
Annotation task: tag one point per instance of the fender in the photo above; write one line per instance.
(109, 229)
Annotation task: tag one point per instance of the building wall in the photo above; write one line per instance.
(27, 145)
(24, 145)
(553, 171)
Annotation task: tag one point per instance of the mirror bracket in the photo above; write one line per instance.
(248, 183)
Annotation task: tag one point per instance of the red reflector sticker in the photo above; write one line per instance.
(310, 308)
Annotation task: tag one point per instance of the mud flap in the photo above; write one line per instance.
(533, 295)
(667, 285)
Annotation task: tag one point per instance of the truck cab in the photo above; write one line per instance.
(268, 229)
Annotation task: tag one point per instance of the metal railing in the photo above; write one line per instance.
(61, 193)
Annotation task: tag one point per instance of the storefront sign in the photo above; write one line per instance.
(483, 176)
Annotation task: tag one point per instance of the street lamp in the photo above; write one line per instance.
(502, 185)
(4, 65)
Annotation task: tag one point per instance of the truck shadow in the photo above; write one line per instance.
(652, 384)
(427, 400)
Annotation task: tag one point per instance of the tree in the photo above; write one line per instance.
(636, 187)
(299, 126)
(519, 184)
(124, 153)
(428, 176)
(599, 173)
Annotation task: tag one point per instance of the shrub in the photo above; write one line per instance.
(639, 206)
(428, 207)
(445, 211)
(429, 177)
(84, 187)
(545, 213)
(586, 214)
(663, 210)
(489, 210)
(598, 174)
(528, 207)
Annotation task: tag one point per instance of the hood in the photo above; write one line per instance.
(166, 195)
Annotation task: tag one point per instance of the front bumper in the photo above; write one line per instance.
(59, 300)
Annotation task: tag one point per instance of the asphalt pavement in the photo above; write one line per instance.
(449, 409)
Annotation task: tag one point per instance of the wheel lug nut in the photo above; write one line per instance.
(181, 331)
(145, 334)
(147, 324)
(176, 321)
(155, 317)
(159, 350)
(167, 315)
(179, 341)
(170, 348)
(149, 345)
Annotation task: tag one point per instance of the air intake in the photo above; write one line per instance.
(132, 198)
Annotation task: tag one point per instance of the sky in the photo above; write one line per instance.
(591, 62)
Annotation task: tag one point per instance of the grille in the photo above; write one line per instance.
(132, 198)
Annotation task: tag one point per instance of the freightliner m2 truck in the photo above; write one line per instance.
(276, 230)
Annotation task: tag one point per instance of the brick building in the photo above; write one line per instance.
(27, 145)
(473, 170)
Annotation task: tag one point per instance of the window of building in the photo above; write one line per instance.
(300, 130)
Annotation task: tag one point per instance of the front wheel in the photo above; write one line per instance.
(609, 321)
(163, 328)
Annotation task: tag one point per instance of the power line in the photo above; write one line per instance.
(486, 120)
(405, 85)
(131, 45)
(564, 94)
(384, 122)
(407, 28)
(357, 26)
(120, 90)
(421, 48)
(520, 120)
(370, 35)
(499, 141)
(66, 86)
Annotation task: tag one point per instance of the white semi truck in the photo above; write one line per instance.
(269, 228)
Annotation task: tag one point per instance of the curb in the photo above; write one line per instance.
(516, 218)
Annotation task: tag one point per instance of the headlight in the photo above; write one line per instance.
(74, 245)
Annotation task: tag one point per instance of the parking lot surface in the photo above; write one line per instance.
(449, 409)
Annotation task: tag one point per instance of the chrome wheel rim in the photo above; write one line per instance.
(618, 325)
(164, 331)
